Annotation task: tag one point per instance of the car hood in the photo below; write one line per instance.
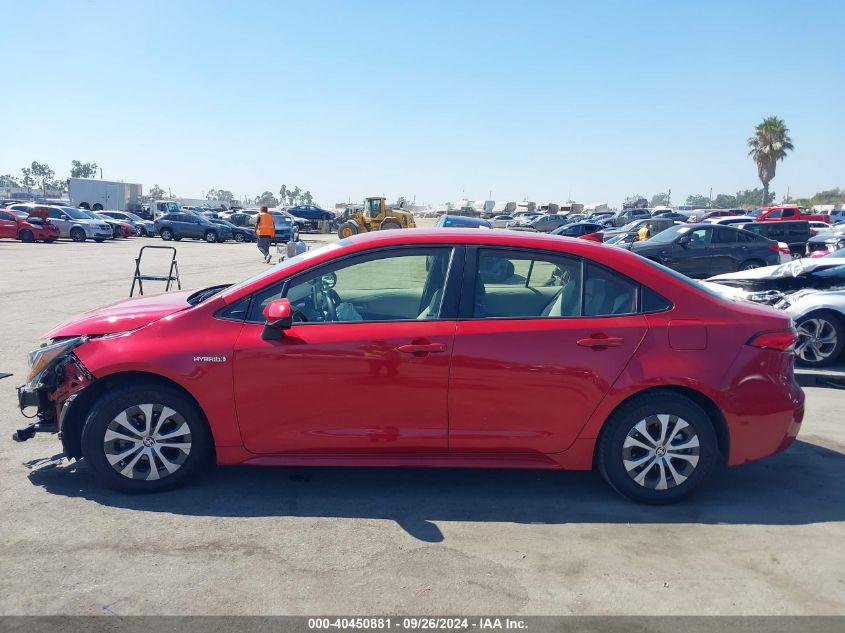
(129, 314)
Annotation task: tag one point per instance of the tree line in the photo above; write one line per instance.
(43, 176)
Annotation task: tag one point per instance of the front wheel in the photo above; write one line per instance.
(166, 235)
(347, 229)
(77, 235)
(239, 237)
(210, 237)
(99, 240)
(821, 337)
(26, 236)
(145, 438)
(657, 448)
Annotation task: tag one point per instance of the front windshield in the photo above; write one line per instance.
(172, 207)
(77, 214)
(669, 235)
(283, 265)
(631, 225)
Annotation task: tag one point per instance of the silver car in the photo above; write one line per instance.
(810, 290)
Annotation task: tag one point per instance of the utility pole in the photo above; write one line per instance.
(669, 198)
(710, 203)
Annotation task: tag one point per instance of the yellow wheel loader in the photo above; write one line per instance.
(376, 215)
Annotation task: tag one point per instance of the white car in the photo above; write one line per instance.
(811, 291)
(501, 221)
(730, 219)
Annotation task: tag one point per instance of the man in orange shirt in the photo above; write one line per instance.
(265, 228)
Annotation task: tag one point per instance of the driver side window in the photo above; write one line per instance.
(381, 286)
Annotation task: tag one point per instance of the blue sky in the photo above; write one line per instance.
(546, 100)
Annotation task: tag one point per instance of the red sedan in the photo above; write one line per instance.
(34, 228)
(427, 348)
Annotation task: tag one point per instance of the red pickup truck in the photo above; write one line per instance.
(777, 214)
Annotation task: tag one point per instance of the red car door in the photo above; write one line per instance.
(539, 353)
(365, 366)
(8, 225)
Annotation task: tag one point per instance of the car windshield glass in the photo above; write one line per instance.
(76, 214)
(172, 207)
(132, 216)
(631, 225)
(283, 265)
(669, 235)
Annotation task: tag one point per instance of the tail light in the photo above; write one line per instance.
(780, 248)
(781, 340)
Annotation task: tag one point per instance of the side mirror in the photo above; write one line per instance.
(278, 317)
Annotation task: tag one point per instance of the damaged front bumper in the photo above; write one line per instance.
(51, 394)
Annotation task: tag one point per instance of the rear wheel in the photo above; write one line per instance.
(26, 236)
(388, 225)
(166, 235)
(821, 337)
(97, 207)
(751, 264)
(210, 237)
(347, 229)
(239, 237)
(657, 448)
(77, 234)
(145, 438)
(99, 240)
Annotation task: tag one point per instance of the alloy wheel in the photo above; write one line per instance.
(661, 451)
(816, 340)
(147, 442)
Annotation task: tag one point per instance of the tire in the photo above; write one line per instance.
(180, 444)
(210, 237)
(821, 337)
(85, 205)
(239, 237)
(389, 225)
(97, 207)
(166, 235)
(99, 240)
(77, 234)
(177, 238)
(26, 236)
(751, 264)
(655, 415)
(347, 229)
(50, 240)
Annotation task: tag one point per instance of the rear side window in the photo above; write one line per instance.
(524, 285)
(723, 235)
(606, 293)
(650, 301)
(6, 216)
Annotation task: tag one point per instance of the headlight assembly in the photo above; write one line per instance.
(40, 359)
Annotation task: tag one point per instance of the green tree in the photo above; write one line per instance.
(83, 170)
(295, 195)
(283, 193)
(699, 201)
(660, 200)
(59, 185)
(223, 195)
(267, 199)
(307, 198)
(27, 180)
(831, 196)
(8, 181)
(769, 145)
(724, 201)
(156, 193)
(750, 198)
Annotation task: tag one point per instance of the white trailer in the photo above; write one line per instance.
(99, 195)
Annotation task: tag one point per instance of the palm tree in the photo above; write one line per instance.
(769, 144)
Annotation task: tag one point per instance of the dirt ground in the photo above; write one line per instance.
(766, 538)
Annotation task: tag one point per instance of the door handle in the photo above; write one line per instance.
(601, 341)
(422, 349)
